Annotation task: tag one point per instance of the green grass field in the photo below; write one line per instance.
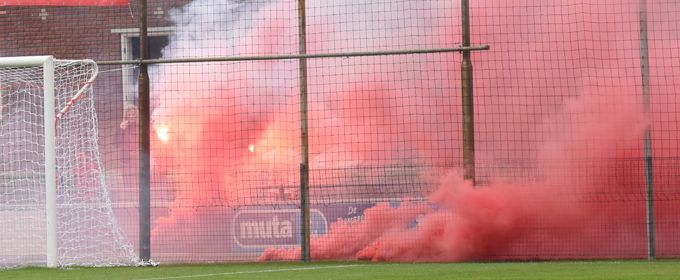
(667, 269)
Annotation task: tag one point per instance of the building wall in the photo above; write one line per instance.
(82, 33)
(86, 33)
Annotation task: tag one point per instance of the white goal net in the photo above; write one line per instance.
(86, 231)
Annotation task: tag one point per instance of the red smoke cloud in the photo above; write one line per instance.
(516, 221)
(558, 100)
(464, 224)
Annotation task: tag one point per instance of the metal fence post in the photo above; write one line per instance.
(304, 145)
(144, 141)
(649, 178)
(467, 100)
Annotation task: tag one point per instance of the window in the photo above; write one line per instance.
(129, 41)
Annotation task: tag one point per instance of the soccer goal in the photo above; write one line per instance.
(54, 204)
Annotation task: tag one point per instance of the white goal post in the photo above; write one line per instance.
(54, 204)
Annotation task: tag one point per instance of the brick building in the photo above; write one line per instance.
(102, 34)
(106, 33)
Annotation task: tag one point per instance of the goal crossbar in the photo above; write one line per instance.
(24, 61)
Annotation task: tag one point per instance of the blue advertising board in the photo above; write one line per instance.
(259, 227)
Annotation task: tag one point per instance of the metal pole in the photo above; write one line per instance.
(304, 145)
(144, 142)
(292, 56)
(467, 102)
(649, 179)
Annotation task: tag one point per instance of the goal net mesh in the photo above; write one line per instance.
(87, 231)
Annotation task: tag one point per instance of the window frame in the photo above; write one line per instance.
(127, 79)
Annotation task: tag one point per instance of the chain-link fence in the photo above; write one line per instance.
(574, 122)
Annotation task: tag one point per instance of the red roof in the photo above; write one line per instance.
(63, 2)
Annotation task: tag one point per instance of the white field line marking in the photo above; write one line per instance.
(251, 271)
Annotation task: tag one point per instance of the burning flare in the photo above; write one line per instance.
(162, 133)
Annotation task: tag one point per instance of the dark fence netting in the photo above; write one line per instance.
(575, 147)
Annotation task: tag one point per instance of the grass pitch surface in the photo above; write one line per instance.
(371, 271)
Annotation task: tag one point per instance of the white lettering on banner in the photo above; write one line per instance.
(261, 228)
(273, 228)
(350, 220)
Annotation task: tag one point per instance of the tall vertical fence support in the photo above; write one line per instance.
(468, 101)
(649, 179)
(144, 141)
(304, 143)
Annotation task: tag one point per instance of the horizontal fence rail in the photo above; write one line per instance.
(294, 56)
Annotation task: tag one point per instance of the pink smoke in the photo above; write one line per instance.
(466, 223)
(557, 98)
